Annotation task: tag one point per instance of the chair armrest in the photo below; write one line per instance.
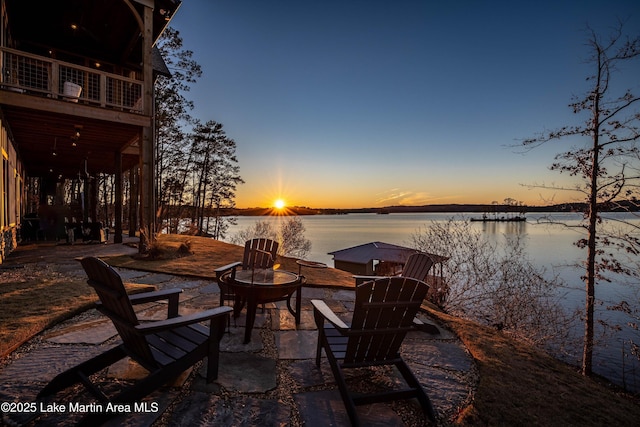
(171, 295)
(154, 296)
(429, 328)
(162, 325)
(320, 307)
(361, 279)
(221, 270)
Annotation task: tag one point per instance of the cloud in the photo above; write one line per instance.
(397, 196)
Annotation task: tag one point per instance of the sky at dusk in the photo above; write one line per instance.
(371, 103)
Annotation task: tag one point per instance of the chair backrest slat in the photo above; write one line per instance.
(417, 266)
(115, 304)
(259, 253)
(383, 313)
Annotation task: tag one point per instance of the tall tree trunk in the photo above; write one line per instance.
(587, 352)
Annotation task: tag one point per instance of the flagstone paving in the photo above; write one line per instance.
(271, 381)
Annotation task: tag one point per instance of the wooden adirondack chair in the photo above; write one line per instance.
(416, 267)
(165, 348)
(383, 314)
(258, 253)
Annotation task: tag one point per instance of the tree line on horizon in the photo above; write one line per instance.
(619, 206)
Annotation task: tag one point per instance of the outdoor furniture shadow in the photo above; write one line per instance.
(165, 348)
(383, 314)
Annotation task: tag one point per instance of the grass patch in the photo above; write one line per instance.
(30, 306)
(520, 385)
(205, 255)
(32, 301)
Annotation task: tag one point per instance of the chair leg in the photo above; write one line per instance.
(216, 330)
(228, 327)
(421, 395)
(319, 346)
(212, 362)
(349, 404)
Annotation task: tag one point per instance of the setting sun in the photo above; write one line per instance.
(279, 204)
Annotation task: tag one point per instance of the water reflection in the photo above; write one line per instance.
(507, 227)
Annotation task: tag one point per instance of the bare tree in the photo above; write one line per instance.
(260, 229)
(494, 283)
(290, 236)
(607, 165)
(292, 240)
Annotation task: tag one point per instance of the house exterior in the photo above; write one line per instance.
(375, 258)
(385, 259)
(76, 101)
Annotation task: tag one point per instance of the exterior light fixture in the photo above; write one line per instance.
(76, 135)
(166, 14)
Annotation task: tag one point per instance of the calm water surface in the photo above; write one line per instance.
(549, 246)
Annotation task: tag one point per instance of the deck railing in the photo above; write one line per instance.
(27, 73)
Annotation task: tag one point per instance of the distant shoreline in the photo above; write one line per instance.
(455, 208)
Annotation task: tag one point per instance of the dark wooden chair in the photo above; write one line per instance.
(383, 314)
(258, 253)
(416, 267)
(165, 348)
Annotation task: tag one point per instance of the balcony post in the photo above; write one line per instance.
(55, 79)
(134, 177)
(103, 90)
(147, 188)
(117, 212)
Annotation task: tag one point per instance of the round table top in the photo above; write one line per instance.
(266, 277)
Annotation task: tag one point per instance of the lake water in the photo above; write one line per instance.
(548, 246)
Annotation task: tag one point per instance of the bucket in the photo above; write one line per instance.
(72, 91)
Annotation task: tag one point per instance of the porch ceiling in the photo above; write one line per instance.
(39, 133)
(102, 29)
